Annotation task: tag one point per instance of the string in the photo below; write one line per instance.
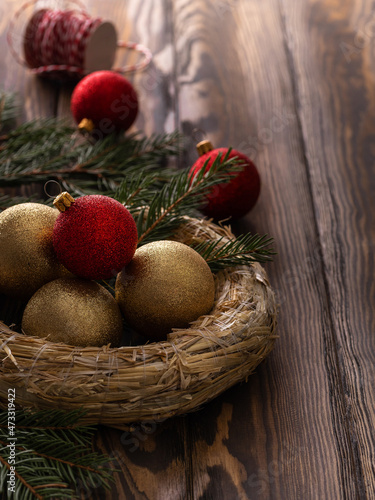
(52, 182)
(198, 134)
(56, 40)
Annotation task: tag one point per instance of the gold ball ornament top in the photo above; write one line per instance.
(166, 285)
(27, 257)
(74, 311)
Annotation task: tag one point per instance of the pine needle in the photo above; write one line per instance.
(52, 450)
(42, 150)
(243, 250)
(162, 211)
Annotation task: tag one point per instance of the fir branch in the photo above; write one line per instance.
(20, 478)
(243, 250)
(48, 420)
(163, 210)
(48, 149)
(136, 189)
(55, 458)
(53, 449)
(144, 149)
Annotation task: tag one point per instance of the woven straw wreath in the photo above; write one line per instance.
(119, 386)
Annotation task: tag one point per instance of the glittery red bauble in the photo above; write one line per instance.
(106, 98)
(236, 197)
(95, 237)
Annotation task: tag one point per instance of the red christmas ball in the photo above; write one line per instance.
(236, 197)
(95, 237)
(107, 99)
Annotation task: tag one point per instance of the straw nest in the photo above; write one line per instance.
(157, 380)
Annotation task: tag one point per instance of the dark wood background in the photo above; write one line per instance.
(292, 85)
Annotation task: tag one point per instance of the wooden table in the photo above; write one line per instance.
(292, 85)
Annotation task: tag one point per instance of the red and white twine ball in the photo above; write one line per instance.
(62, 41)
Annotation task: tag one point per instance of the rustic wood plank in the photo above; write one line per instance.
(332, 61)
(284, 434)
(151, 459)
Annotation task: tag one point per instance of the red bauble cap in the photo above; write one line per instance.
(236, 197)
(107, 99)
(95, 236)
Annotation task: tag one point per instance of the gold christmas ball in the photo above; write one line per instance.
(74, 311)
(166, 285)
(27, 258)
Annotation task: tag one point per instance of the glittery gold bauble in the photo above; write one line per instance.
(74, 311)
(166, 285)
(27, 258)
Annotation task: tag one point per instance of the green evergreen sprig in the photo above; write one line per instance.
(48, 149)
(53, 451)
(159, 212)
(243, 250)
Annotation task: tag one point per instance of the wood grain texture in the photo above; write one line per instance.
(337, 121)
(150, 461)
(281, 438)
